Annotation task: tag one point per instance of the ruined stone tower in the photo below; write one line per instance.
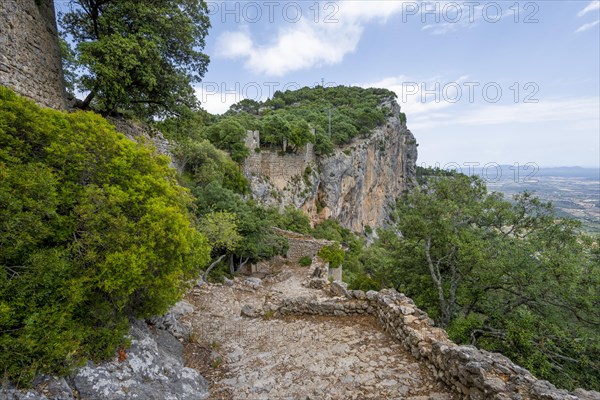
(30, 51)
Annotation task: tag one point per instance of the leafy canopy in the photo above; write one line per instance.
(290, 116)
(141, 56)
(507, 276)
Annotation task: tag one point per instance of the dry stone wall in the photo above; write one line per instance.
(301, 245)
(30, 61)
(472, 373)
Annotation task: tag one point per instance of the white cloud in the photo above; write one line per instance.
(215, 101)
(594, 5)
(581, 111)
(587, 26)
(306, 44)
(298, 47)
(422, 96)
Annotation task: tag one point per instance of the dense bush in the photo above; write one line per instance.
(95, 231)
(305, 261)
(333, 254)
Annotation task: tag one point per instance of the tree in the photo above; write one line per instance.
(229, 135)
(299, 133)
(202, 163)
(246, 105)
(141, 56)
(275, 130)
(508, 277)
(254, 223)
(221, 230)
(333, 254)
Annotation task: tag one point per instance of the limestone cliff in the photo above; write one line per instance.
(355, 185)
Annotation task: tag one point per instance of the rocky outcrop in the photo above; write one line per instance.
(152, 368)
(145, 134)
(30, 61)
(356, 185)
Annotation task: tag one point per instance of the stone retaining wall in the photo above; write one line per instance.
(301, 245)
(280, 168)
(473, 373)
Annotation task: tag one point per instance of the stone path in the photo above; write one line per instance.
(298, 357)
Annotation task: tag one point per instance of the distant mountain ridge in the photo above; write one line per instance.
(567, 172)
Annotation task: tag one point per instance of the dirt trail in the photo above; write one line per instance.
(297, 357)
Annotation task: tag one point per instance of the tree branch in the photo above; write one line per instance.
(218, 260)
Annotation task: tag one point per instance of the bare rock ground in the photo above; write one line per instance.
(307, 357)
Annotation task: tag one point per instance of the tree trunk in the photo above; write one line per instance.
(85, 104)
(218, 260)
(437, 280)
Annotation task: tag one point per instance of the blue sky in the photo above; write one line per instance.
(505, 81)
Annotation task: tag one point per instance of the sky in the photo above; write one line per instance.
(507, 82)
(481, 82)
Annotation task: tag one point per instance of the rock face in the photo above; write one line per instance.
(153, 370)
(355, 185)
(29, 51)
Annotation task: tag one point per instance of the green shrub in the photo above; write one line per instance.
(333, 254)
(295, 220)
(95, 231)
(305, 261)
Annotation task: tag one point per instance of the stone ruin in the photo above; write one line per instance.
(30, 61)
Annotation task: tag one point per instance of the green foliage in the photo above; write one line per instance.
(305, 261)
(323, 145)
(188, 125)
(333, 254)
(290, 116)
(138, 56)
(221, 230)
(69, 62)
(275, 129)
(95, 231)
(203, 163)
(258, 241)
(507, 276)
(295, 220)
(363, 281)
(245, 106)
(229, 135)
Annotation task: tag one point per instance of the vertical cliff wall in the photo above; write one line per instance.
(356, 185)
(30, 52)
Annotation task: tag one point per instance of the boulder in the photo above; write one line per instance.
(254, 283)
(339, 289)
(170, 322)
(153, 370)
